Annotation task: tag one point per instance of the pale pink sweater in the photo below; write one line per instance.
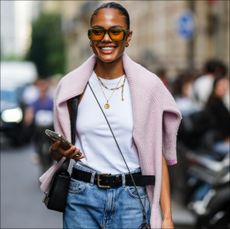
(156, 121)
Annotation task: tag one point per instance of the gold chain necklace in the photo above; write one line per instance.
(112, 89)
(107, 105)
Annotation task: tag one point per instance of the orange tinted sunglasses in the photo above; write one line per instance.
(115, 34)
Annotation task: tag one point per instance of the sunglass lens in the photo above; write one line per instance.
(116, 34)
(96, 34)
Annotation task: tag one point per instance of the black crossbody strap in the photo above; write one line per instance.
(144, 225)
(72, 107)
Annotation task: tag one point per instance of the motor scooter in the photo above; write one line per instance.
(211, 198)
(204, 175)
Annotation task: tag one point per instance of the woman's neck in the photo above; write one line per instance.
(109, 70)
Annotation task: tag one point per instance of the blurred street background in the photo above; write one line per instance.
(21, 198)
(185, 43)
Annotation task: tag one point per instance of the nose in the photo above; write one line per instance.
(106, 37)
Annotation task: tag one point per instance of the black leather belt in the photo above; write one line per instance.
(112, 181)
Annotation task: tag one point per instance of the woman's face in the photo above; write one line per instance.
(107, 50)
(222, 87)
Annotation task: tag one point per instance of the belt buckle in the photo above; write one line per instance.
(99, 180)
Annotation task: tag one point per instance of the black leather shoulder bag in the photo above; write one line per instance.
(56, 198)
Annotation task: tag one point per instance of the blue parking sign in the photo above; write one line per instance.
(186, 25)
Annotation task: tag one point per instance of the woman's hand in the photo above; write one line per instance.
(57, 152)
(167, 224)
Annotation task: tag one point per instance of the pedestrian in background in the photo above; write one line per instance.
(38, 117)
(144, 118)
(182, 89)
(219, 116)
(202, 87)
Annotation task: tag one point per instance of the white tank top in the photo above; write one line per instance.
(93, 135)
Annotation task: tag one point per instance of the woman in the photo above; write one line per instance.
(219, 116)
(140, 111)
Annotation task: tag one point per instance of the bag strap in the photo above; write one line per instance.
(145, 224)
(72, 107)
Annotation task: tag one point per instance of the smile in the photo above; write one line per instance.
(107, 48)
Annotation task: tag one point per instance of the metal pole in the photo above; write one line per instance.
(190, 46)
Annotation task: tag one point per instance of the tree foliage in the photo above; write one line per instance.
(47, 49)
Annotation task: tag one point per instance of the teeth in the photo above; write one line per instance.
(107, 48)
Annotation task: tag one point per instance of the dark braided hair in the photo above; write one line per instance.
(113, 5)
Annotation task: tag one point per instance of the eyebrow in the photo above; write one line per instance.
(112, 27)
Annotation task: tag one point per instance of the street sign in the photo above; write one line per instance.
(186, 25)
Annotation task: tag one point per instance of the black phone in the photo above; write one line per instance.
(54, 136)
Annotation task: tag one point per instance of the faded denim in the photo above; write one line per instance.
(91, 207)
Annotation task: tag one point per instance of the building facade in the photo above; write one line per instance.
(16, 18)
(158, 41)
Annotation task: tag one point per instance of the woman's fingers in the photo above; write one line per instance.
(69, 152)
(77, 155)
(73, 152)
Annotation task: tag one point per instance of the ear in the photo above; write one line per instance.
(128, 38)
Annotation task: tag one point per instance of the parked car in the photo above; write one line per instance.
(11, 119)
(14, 78)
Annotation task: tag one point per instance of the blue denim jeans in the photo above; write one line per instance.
(91, 207)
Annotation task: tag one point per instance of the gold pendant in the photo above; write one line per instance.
(107, 106)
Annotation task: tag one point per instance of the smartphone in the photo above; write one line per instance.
(54, 136)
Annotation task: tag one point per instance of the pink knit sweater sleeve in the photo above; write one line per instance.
(171, 122)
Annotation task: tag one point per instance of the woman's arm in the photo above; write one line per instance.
(165, 198)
